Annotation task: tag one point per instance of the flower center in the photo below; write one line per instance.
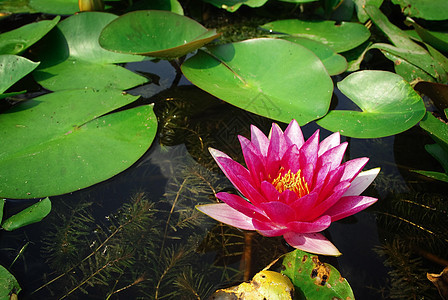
(291, 181)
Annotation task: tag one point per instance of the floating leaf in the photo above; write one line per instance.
(429, 10)
(440, 281)
(407, 70)
(234, 5)
(361, 4)
(65, 141)
(437, 129)
(389, 105)
(12, 69)
(8, 284)
(18, 40)
(266, 285)
(333, 62)
(438, 40)
(72, 58)
(294, 85)
(2, 205)
(405, 48)
(55, 7)
(34, 213)
(314, 279)
(341, 37)
(155, 33)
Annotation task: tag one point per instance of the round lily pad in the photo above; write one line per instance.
(155, 33)
(388, 105)
(12, 69)
(333, 62)
(273, 78)
(429, 10)
(340, 37)
(68, 140)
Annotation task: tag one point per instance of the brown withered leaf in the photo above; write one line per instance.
(441, 282)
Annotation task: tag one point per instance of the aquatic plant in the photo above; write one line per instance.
(292, 187)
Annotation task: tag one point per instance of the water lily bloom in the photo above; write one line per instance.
(292, 187)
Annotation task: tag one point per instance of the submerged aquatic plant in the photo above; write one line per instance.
(292, 187)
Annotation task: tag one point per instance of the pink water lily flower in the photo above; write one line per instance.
(292, 187)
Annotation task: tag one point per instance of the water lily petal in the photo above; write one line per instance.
(293, 134)
(269, 229)
(311, 242)
(227, 215)
(241, 205)
(278, 212)
(353, 167)
(254, 160)
(318, 225)
(259, 140)
(333, 156)
(277, 143)
(319, 177)
(289, 161)
(329, 142)
(361, 182)
(304, 205)
(308, 156)
(232, 169)
(288, 197)
(333, 198)
(252, 193)
(333, 179)
(269, 191)
(348, 206)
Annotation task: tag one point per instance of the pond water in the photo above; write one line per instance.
(138, 234)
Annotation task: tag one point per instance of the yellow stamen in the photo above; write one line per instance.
(291, 181)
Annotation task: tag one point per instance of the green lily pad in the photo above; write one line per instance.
(438, 40)
(293, 85)
(405, 48)
(68, 140)
(15, 6)
(12, 69)
(340, 38)
(389, 105)
(333, 62)
(18, 40)
(314, 279)
(361, 4)
(429, 10)
(55, 7)
(439, 132)
(407, 70)
(72, 58)
(155, 33)
(32, 214)
(8, 284)
(234, 5)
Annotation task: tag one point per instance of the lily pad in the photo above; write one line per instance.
(234, 5)
(314, 279)
(388, 104)
(55, 7)
(438, 40)
(333, 62)
(361, 4)
(8, 284)
(155, 33)
(18, 40)
(32, 214)
(407, 70)
(405, 48)
(12, 69)
(429, 10)
(340, 37)
(68, 140)
(72, 58)
(294, 85)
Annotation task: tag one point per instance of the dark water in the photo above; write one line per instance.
(385, 248)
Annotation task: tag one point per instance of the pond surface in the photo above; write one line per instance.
(138, 234)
